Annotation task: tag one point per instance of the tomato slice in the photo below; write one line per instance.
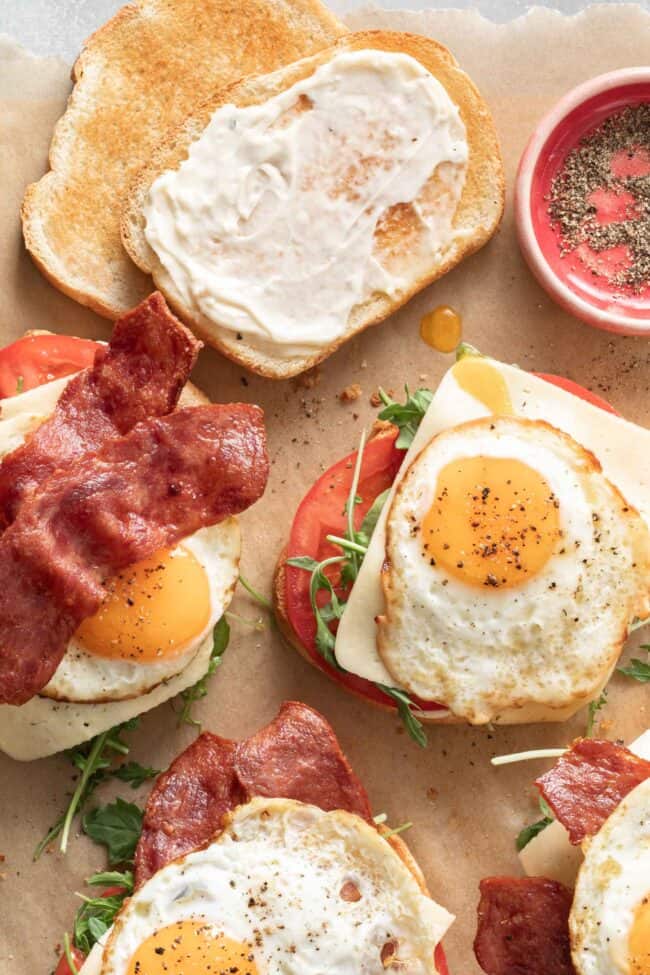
(578, 390)
(440, 960)
(37, 359)
(321, 513)
(63, 968)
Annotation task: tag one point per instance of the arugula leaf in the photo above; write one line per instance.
(638, 669)
(257, 596)
(112, 878)
(67, 952)
(220, 640)
(406, 416)
(369, 523)
(135, 773)
(95, 761)
(94, 918)
(594, 708)
(117, 826)
(530, 832)
(405, 708)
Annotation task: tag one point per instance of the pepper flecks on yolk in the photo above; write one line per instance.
(480, 379)
(152, 609)
(191, 948)
(494, 521)
(639, 943)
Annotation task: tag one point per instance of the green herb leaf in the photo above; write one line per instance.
(464, 349)
(257, 596)
(638, 669)
(135, 773)
(117, 826)
(68, 954)
(94, 759)
(304, 562)
(406, 416)
(94, 918)
(220, 640)
(20, 384)
(112, 878)
(594, 708)
(369, 523)
(530, 832)
(405, 708)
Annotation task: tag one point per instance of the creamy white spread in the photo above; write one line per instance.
(268, 228)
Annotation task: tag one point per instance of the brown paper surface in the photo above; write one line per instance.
(465, 813)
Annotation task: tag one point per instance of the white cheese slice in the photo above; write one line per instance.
(550, 854)
(622, 448)
(93, 963)
(43, 727)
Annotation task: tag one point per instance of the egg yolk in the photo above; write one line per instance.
(639, 943)
(494, 521)
(152, 609)
(191, 948)
(480, 379)
(441, 328)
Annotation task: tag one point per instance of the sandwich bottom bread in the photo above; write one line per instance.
(481, 558)
(407, 155)
(119, 555)
(263, 855)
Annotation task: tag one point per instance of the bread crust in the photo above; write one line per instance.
(137, 76)
(477, 216)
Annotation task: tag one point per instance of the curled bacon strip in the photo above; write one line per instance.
(141, 373)
(296, 756)
(140, 493)
(523, 927)
(588, 782)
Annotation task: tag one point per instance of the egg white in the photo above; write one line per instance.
(550, 640)
(613, 881)
(83, 677)
(273, 879)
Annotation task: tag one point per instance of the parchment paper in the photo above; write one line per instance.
(465, 813)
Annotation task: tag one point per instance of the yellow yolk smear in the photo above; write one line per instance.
(152, 609)
(480, 379)
(639, 943)
(191, 948)
(494, 522)
(441, 328)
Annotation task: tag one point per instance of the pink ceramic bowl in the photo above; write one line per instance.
(574, 287)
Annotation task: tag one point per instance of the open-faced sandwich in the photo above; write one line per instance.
(262, 856)
(482, 558)
(584, 908)
(292, 210)
(119, 549)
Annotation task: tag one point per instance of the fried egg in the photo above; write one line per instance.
(157, 615)
(513, 568)
(477, 388)
(285, 888)
(610, 917)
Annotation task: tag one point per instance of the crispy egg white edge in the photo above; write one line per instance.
(550, 854)
(611, 438)
(42, 726)
(298, 826)
(613, 880)
(434, 621)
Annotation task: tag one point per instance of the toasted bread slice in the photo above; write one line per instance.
(477, 215)
(137, 76)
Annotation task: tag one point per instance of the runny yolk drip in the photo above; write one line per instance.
(191, 948)
(639, 943)
(441, 328)
(494, 521)
(152, 610)
(478, 377)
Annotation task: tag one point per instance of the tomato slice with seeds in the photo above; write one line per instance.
(321, 513)
(38, 359)
(63, 968)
